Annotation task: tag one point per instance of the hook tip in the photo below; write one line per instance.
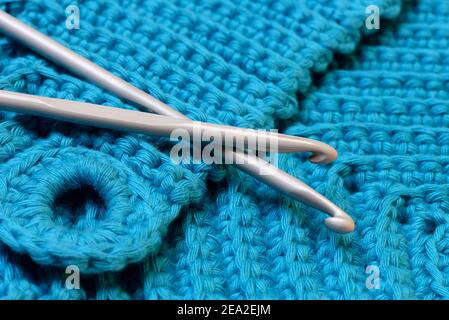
(324, 158)
(342, 223)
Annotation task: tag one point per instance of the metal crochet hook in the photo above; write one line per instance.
(152, 124)
(338, 221)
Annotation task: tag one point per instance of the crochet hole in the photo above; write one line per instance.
(429, 226)
(402, 216)
(351, 184)
(79, 206)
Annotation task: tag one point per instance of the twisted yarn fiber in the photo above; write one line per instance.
(140, 227)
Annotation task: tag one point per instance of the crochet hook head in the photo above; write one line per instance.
(339, 221)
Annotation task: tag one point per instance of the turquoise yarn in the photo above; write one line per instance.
(140, 227)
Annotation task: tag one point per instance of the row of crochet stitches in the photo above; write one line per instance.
(386, 111)
(139, 226)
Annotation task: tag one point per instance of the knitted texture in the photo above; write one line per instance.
(140, 227)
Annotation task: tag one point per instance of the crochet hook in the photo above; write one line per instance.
(153, 124)
(338, 221)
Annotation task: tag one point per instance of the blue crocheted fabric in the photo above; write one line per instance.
(140, 227)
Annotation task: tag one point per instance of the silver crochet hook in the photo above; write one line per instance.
(152, 124)
(338, 221)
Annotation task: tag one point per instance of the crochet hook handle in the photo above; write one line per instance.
(149, 123)
(14, 28)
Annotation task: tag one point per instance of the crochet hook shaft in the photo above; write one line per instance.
(338, 221)
(149, 123)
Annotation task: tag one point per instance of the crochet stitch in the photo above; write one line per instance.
(140, 227)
